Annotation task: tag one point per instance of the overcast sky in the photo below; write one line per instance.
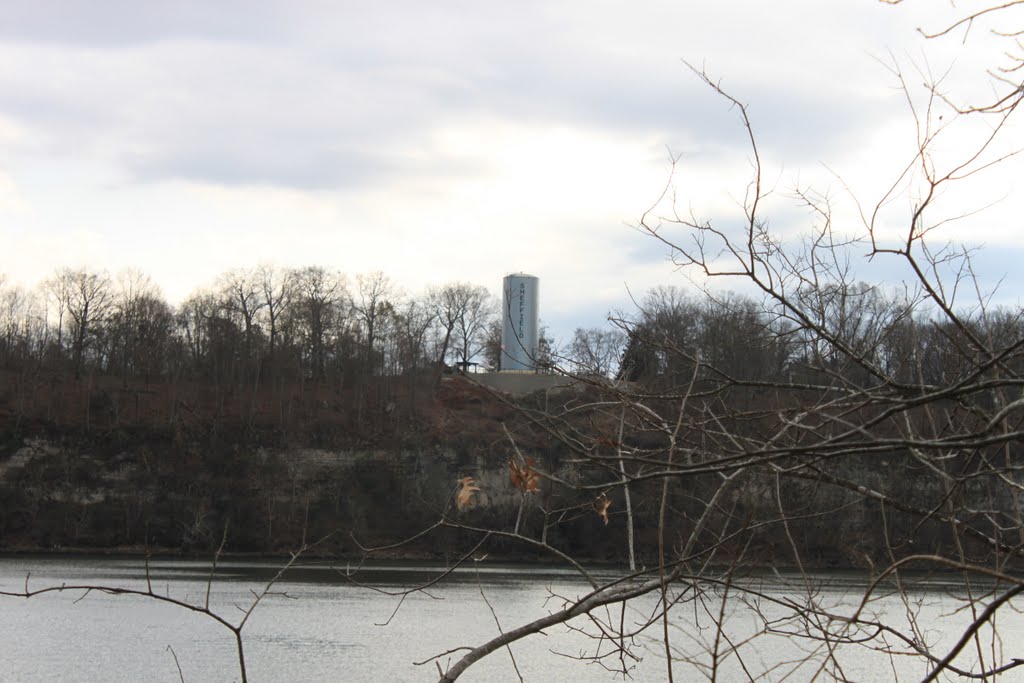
(447, 140)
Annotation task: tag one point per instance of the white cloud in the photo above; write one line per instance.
(11, 202)
(439, 141)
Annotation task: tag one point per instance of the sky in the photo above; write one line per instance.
(462, 140)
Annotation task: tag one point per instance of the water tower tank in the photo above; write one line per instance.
(520, 328)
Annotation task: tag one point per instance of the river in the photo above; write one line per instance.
(319, 626)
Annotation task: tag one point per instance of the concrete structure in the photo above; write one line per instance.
(522, 383)
(520, 327)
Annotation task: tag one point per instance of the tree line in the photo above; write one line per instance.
(312, 323)
(827, 422)
(849, 333)
(251, 325)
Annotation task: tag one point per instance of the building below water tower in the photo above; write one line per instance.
(520, 327)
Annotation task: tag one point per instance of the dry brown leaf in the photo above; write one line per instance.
(467, 487)
(601, 505)
(524, 478)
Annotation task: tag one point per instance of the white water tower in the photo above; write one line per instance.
(520, 327)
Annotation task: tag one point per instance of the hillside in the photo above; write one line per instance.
(101, 464)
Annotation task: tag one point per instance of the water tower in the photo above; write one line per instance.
(520, 327)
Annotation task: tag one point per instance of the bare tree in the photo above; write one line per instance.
(822, 422)
(57, 289)
(462, 311)
(471, 326)
(896, 411)
(86, 297)
(243, 298)
(140, 325)
(275, 289)
(596, 351)
(19, 322)
(193, 317)
(319, 304)
(372, 301)
(413, 324)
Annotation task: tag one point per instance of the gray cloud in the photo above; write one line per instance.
(251, 93)
(298, 166)
(127, 22)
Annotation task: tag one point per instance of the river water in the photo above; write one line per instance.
(326, 628)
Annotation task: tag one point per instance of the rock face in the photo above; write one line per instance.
(185, 467)
(73, 491)
(181, 468)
